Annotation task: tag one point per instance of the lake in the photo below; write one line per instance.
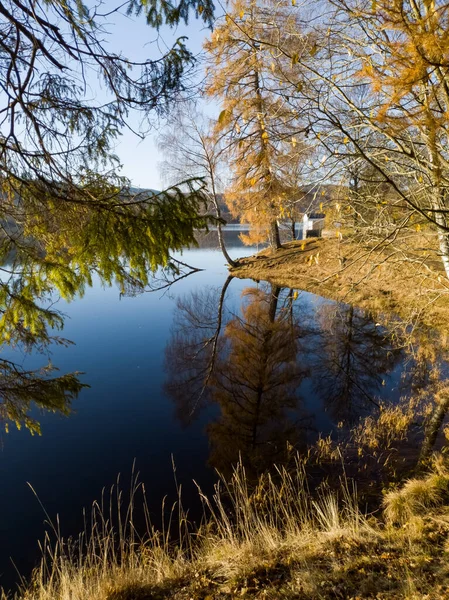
(288, 366)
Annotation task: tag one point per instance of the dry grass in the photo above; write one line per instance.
(275, 541)
(380, 280)
(418, 496)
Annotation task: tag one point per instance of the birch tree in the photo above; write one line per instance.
(376, 90)
(191, 151)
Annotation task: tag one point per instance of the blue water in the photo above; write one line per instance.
(125, 415)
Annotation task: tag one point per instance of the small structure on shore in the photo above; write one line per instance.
(313, 225)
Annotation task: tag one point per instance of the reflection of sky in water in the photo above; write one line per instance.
(119, 344)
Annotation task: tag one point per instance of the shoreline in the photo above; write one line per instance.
(415, 290)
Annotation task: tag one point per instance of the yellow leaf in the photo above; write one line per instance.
(242, 14)
(223, 116)
(299, 86)
(273, 66)
(264, 135)
(418, 227)
(321, 207)
(253, 181)
(295, 58)
(293, 142)
(346, 140)
(293, 2)
(200, 8)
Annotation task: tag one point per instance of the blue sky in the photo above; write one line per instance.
(136, 39)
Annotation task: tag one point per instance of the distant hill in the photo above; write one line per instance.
(137, 191)
(311, 198)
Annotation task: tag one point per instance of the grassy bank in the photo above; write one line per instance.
(275, 542)
(409, 284)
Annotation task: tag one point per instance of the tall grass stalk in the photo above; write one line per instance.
(241, 525)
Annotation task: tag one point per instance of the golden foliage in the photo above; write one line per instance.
(257, 122)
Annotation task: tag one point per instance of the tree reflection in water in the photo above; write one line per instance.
(249, 367)
(256, 382)
(252, 365)
(353, 355)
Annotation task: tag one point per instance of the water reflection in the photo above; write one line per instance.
(255, 383)
(36, 272)
(259, 373)
(273, 365)
(250, 367)
(353, 356)
(29, 322)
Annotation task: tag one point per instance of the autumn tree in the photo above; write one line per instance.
(396, 53)
(257, 123)
(408, 71)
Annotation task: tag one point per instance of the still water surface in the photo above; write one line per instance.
(325, 363)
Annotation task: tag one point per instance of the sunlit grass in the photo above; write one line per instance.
(272, 540)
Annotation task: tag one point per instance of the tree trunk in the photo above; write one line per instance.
(275, 291)
(275, 239)
(231, 262)
(438, 200)
(272, 309)
(443, 239)
(218, 213)
(440, 220)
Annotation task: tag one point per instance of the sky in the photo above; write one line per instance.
(135, 38)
